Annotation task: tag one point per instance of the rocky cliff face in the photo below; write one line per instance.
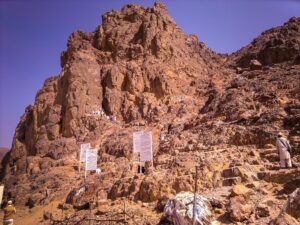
(139, 71)
(276, 45)
(132, 67)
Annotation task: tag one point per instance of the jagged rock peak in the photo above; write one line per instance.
(135, 33)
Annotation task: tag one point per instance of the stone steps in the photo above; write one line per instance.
(231, 176)
(272, 166)
(272, 157)
(265, 152)
(280, 176)
(270, 154)
(231, 172)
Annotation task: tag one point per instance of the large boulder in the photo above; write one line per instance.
(292, 205)
(239, 209)
(152, 189)
(255, 65)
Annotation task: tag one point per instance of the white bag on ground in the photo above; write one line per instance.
(180, 209)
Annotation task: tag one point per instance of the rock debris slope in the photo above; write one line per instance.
(218, 112)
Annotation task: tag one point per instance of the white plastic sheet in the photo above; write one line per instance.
(180, 209)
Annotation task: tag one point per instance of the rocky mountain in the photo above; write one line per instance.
(276, 45)
(139, 71)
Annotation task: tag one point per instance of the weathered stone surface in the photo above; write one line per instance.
(282, 176)
(262, 210)
(139, 71)
(239, 209)
(153, 189)
(275, 45)
(255, 65)
(241, 190)
(284, 219)
(183, 184)
(292, 205)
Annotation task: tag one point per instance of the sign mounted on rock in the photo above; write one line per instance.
(137, 141)
(83, 149)
(146, 147)
(91, 159)
(142, 143)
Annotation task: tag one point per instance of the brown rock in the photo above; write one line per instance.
(232, 172)
(231, 181)
(284, 219)
(241, 190)
(292, 205)
(281, 176)
(239, 209)
(262, 210)
(255, 65)
(152, 190)
(183, 184)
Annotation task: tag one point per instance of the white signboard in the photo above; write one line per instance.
(91, 159)
(1, 193)
(146, 146)
(137, 141)
(83, 149)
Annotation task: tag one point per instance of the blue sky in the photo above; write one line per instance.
(34, 32)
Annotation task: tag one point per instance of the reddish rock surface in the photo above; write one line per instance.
(219, 112)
